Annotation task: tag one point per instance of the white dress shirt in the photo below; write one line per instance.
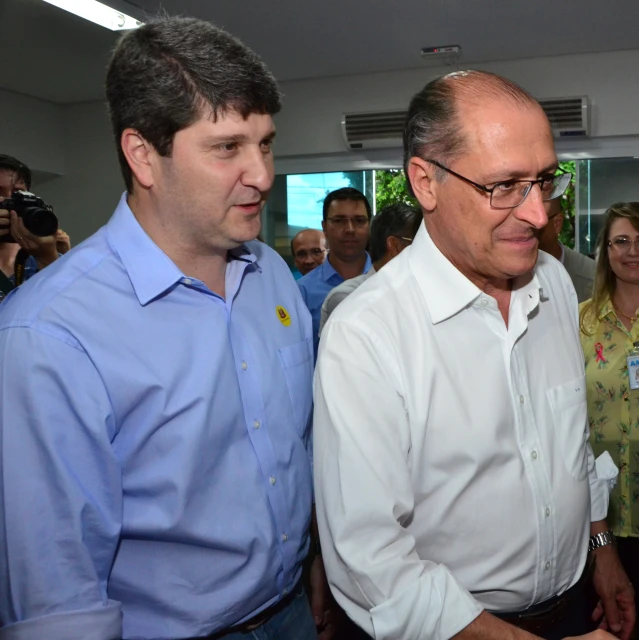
(452, 465)
(340, 293)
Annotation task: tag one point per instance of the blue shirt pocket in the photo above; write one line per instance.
(297, 363)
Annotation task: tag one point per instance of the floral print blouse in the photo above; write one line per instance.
(613, 412)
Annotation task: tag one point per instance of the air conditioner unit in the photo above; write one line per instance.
(569, 117)
(373, 130)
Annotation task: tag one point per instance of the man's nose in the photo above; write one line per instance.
(533, 209)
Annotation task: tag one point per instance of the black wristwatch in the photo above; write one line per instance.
(601, 540)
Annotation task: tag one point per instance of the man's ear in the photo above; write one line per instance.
(421, 175)
(558, 221)
(393, 246)
(140, 155)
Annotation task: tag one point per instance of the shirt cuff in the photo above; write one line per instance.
(600, 487)
(99, 623)
(436, 607)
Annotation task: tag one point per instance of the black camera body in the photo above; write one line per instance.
(37, 216)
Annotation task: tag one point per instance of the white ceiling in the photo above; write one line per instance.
(50, 54)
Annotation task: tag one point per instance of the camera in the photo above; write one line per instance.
(36, 214)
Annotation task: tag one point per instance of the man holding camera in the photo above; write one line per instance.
(37, 251)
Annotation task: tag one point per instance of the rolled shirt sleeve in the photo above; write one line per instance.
(599, 486)
(364, 496)
(60, 491)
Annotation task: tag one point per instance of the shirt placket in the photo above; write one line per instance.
(531, 451)
(257, 427)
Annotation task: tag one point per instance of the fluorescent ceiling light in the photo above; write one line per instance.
(99, 13)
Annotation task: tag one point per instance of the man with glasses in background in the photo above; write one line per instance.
(392, 230)
(452, 505)
(308, 249)
(346, 216)
(580, 268)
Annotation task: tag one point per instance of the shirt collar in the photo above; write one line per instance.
(150, 270)
(563, 253)
(327, 271)
(445, 289)
(606, 309)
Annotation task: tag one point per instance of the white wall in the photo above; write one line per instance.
(76, 140)
(313, 108)
(33, 131)
(86, 195)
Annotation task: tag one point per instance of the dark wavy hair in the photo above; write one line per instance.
(170, 72)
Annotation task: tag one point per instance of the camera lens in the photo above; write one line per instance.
(40, 222)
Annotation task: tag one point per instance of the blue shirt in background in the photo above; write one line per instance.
(316, 285)
(156, 468)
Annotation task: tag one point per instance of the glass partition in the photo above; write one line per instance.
(600, 183)
(296, 201)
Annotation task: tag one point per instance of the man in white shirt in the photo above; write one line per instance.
(580, 268)
(392, 230)
(452, 471)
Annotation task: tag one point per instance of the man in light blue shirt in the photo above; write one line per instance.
(346, 219)
(156, 382)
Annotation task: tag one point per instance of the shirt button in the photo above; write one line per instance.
(284, 537)
(534, 455)
(484, 303)
(187, 281)
(547, 512)
(547, 566)
(272, 479)
(521, 399)
(285, 592)
(256, 424)
(244, 366)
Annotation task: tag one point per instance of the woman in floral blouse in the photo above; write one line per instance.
(609, 329)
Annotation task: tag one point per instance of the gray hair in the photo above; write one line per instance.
(399, 220)
(433, 128)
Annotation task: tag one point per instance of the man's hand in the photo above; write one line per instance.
(5, 222)
(43, 249)
(62, 242)
(616, 607)
(320, 598)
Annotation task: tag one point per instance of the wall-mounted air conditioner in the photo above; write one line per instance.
(373, 130)
(569, 117)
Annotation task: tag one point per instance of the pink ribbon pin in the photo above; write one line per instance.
(599, 352)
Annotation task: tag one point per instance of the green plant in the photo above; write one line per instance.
(567, 235)
(390, 188)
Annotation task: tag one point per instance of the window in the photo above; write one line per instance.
(296, 201)
(602, 182)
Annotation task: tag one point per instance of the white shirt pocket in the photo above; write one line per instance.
(570, 417)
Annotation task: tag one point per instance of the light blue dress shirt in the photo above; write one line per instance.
(155, 475)
(316, 285)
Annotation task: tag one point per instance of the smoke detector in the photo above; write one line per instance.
(447, 54)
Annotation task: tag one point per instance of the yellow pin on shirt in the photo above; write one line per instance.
(283, 316)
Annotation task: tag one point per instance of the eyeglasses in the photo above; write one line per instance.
(314, 253)
(409, 240)
(622, 244)
(511, 193)
(341, 222)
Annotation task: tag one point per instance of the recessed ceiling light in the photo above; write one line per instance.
(99, 13)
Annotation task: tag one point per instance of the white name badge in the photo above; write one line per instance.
(633, 371)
